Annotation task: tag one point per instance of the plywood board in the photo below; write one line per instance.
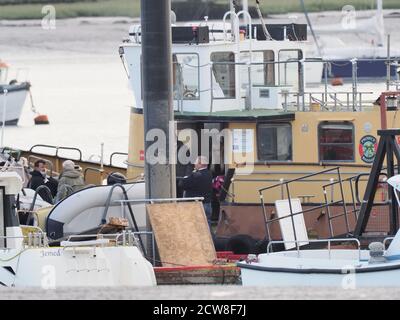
(182, 234)
(283, 210)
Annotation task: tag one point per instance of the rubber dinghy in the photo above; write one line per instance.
(375, 267)
(89, 208)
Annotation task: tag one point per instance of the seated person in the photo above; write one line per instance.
(40, 178)
(70, 180)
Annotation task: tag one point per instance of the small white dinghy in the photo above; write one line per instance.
(339, 268)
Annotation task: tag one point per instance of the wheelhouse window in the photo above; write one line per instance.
(274, 142)
(186, 76)
(289, 68)
(336, 141)
(262, 72)
(223, 75)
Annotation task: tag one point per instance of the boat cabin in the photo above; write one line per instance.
(217, 70)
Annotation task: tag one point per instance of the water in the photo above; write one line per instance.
(78, 81)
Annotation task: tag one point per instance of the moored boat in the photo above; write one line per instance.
(12, 97)
(27, 260)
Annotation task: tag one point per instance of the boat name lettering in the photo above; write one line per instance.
(52, 253)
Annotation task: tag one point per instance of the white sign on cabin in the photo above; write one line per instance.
(243, 141)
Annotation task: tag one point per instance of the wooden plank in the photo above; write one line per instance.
(223, 275)
(182, 234)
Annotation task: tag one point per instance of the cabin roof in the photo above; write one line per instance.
(237, 115)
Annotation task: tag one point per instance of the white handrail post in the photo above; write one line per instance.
(5, 91)
(250, 65)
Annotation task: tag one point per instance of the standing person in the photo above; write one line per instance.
(40, 178)
(199, 184)
(70, 181)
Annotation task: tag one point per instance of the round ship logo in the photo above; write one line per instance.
(367, 148)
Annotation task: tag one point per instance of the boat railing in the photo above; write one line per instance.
(298, 99)
(292, 214)
(125, 238)
(284, 174)
(327, 101)
(57, 150)
(327, 203)
(35, 198)
(114, 154)
(91, 169)
(152, 201)
(31, 240)
(328, 241)
(386, 240)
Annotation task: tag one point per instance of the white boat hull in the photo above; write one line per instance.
(346, 269)
(50, 268)
(343, 281)
(14, 102)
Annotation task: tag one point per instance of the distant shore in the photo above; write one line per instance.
(131, 8)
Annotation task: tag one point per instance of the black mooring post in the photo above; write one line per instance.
(370, 191)
(386, 148)
(157, 94)
(392, 204)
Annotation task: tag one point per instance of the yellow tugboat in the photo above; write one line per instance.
(243, 88)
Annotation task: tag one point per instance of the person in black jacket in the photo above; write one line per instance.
(40, 178)
(199, 184)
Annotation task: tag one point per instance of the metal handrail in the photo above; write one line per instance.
(329, 241)
(101, 171)
(38, 189)
(300, 178)
(107, 206)
(386, 240)
(123, 234)
(35, 239)
(291, 216)
(160, 200)
(57, 148)
(115, 154)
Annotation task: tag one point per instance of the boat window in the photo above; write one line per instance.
(274, 142)
(223, 82)
(262, 72)
(186, 76)
(289, 69)
(336, 141)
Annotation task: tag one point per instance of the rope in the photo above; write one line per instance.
(12, 258)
